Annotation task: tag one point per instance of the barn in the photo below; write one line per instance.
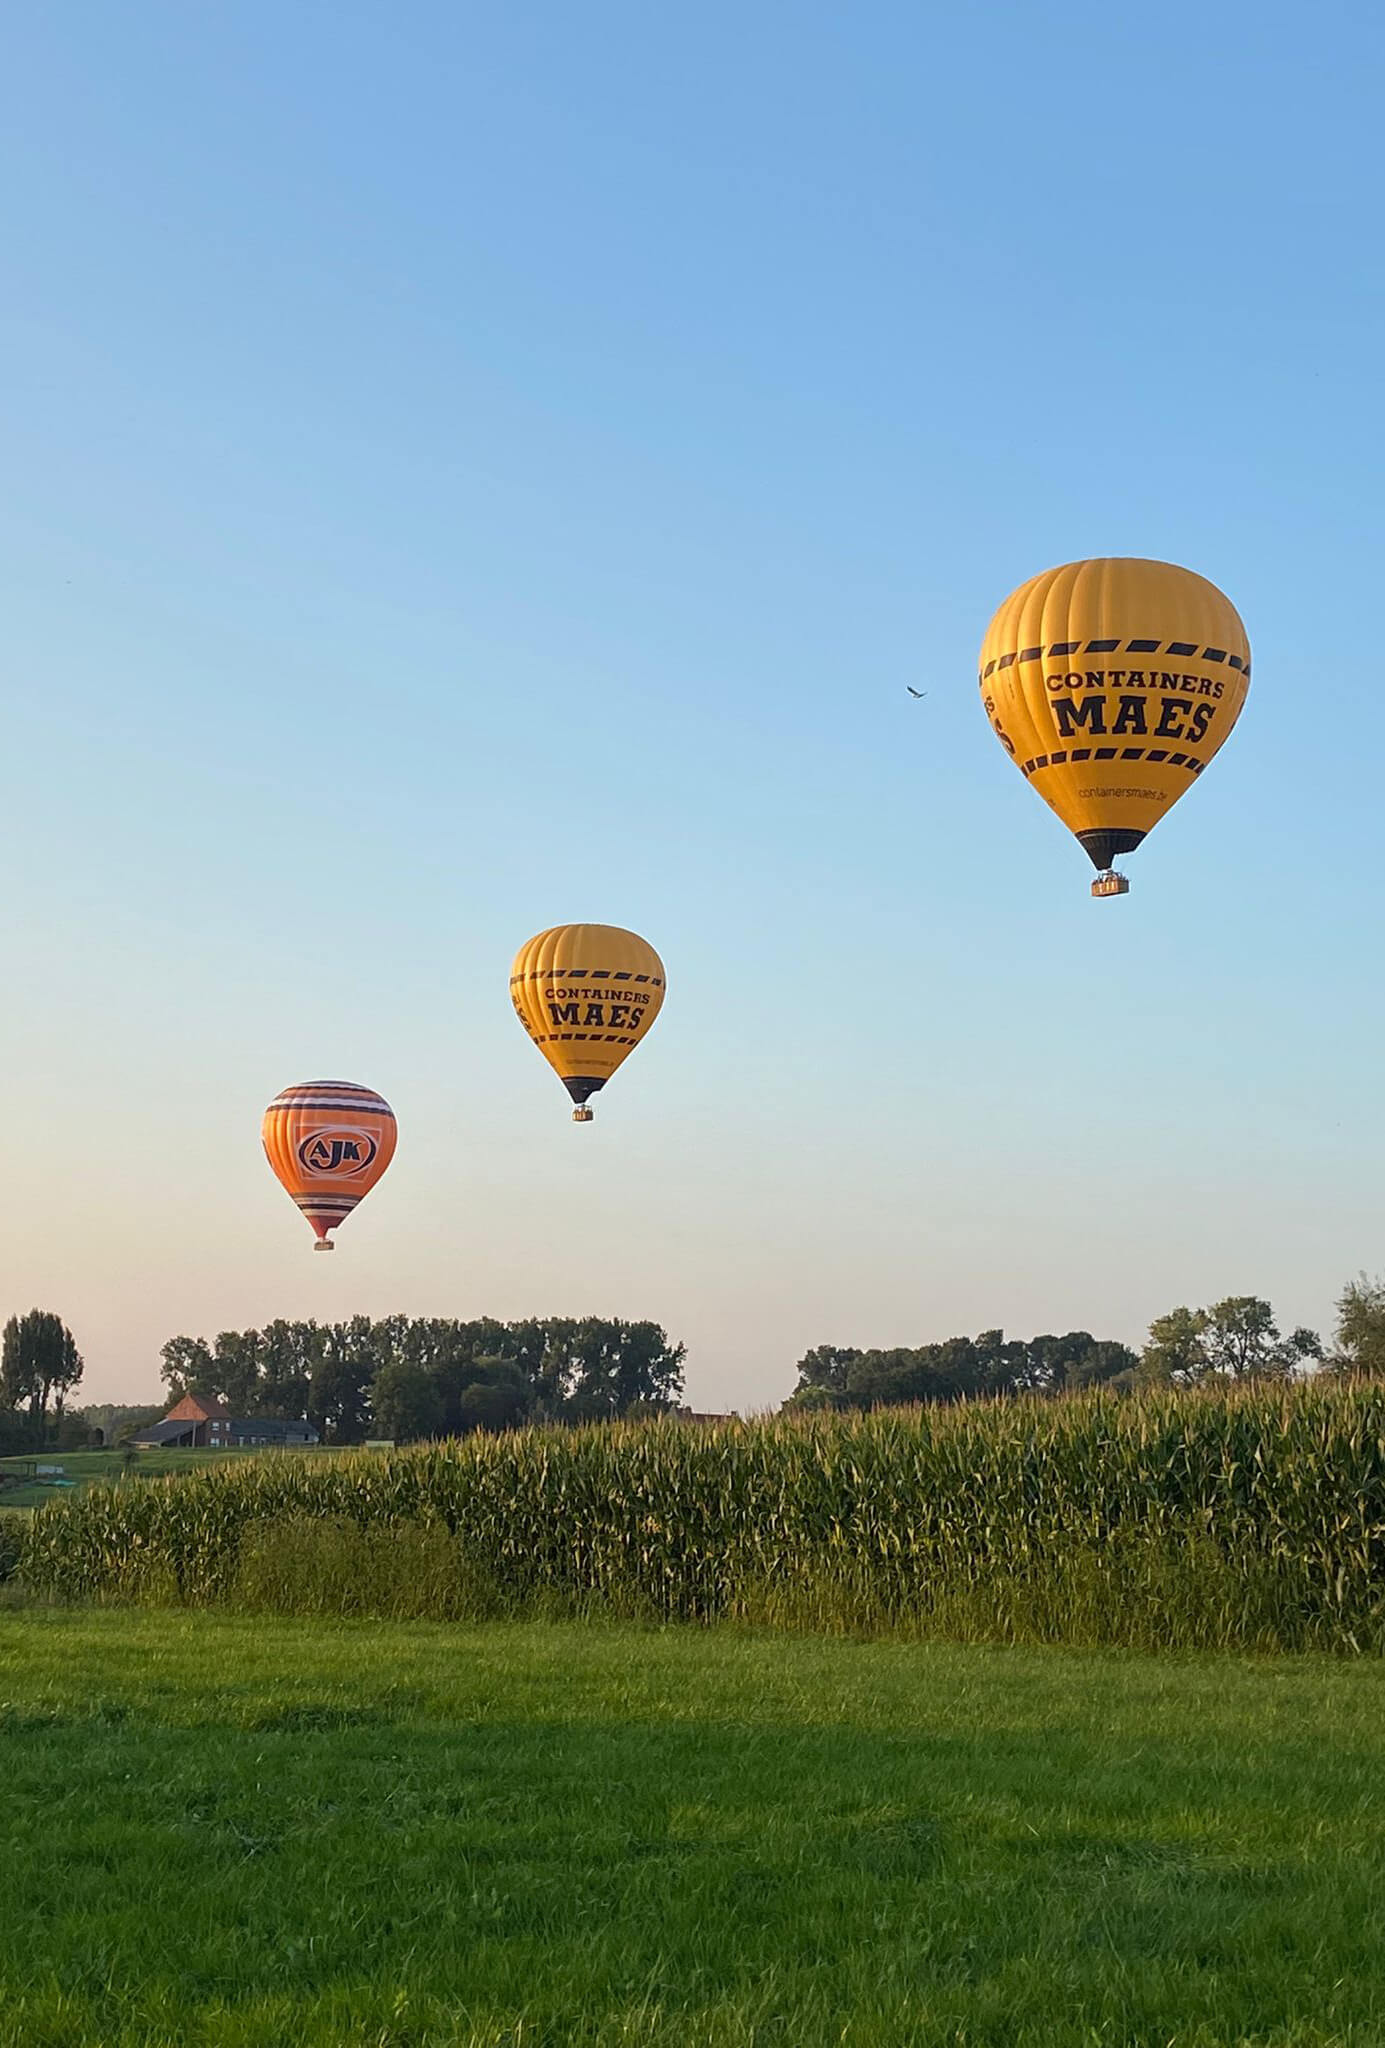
(199, 1423)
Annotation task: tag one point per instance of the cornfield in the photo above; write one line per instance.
(1244, 1517)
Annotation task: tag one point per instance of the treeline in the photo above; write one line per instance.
(411, 1378)
(958, 1369)
(1236, 1339)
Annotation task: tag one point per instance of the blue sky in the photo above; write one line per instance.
(469, 468)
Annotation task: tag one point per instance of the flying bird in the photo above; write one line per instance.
(913, 692)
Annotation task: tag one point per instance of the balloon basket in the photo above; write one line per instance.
(1110, 884)
(324, 1244)
(583, 1115)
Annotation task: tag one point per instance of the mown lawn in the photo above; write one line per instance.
(109, 1467)
(224, 1831)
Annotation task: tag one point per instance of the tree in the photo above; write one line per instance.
(236, 1366)
(610, 1365)
(492, 1405)
(16, 1432)
(815, 1401)
(478, 1354)
(339, 1394)
(1360, 1345)
(541, 1349)
(1059, 1365)
(1234, 1339)
(18, 1365)
(187, 1368)
(935, 1374)
(38, 1358)
(405, 1401)
(67, 1371)
(1242, 1341)
(288, 1354)
(1175, 1353)
(823, 1371)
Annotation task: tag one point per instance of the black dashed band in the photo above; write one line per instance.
(1181, 648)
(1160, 754)
(583, 973)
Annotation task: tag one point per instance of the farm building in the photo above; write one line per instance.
(197, 1423)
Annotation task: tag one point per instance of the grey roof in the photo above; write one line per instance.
(270, 1428)
(165, 1432)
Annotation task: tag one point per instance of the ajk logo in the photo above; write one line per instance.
(328, 1152)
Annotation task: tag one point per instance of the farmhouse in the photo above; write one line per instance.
(197, 1423)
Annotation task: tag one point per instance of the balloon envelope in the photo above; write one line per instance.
(586, 994)
(1111, 684)
(328, 1142)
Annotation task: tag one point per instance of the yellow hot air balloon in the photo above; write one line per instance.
(586, 994)
(1111, 684)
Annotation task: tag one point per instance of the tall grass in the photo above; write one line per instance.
(11, 1542)
(1253, 1518)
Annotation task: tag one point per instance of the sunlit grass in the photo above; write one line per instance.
(223, 1832)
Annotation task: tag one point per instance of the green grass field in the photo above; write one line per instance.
(106, 1468)
(222, 1832)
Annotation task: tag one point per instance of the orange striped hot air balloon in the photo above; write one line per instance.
(328, 1142)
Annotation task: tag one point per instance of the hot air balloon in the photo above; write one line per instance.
(1111, 684)
(328, 1142)
(586, 994)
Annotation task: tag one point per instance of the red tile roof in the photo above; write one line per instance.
(198, 1408)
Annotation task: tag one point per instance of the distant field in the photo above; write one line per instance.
(104, 1468)
(232, 1833)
